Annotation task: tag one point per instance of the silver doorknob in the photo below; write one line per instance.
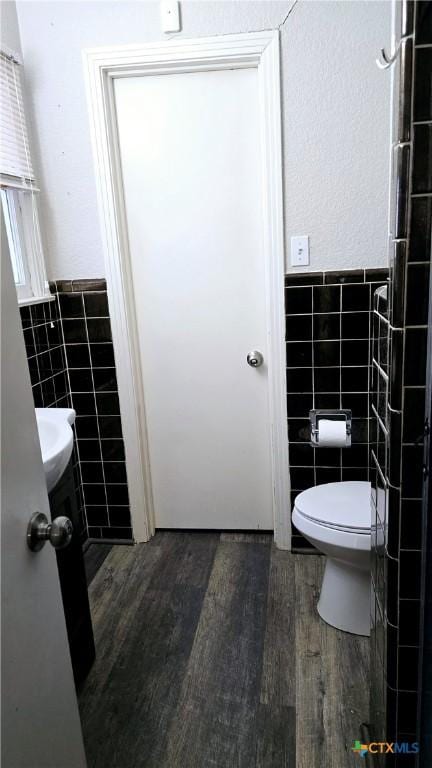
(255, 359)
(40, 530)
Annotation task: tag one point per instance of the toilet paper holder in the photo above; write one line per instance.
(333, 415)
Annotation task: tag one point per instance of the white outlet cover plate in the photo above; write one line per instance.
(170, 15)
(299, 250)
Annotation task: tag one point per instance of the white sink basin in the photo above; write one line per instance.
(56, 441)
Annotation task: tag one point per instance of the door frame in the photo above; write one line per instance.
(258, 50)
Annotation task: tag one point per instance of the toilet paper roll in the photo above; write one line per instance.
(332, 433)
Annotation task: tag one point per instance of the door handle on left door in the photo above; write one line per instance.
(255, 359)
(40, 530)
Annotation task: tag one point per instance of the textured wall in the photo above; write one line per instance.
(335, 117)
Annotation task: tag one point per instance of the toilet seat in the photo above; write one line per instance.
(343, 506)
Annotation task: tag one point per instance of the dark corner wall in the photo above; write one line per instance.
(71, 361)
(328, 328)
(398, 399)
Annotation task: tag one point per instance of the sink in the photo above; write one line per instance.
(56, 441)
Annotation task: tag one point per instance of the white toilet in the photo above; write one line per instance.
(336, 519)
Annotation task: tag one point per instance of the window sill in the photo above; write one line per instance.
(35, 300)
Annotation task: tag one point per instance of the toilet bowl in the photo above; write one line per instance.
(336, 519)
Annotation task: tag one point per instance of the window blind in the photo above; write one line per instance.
(15, 162)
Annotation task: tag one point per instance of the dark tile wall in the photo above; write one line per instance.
(71, 361)
(84, 313)
(328, 327)
(399, 404)
(48, 373)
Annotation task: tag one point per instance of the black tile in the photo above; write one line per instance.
(327, 379)
(84, 404)
(119, 516)
(355, 298)
(96, 304)
(44, 363)
(86, 426)
(74, 331)
(117, 494)
(110, 426)
(360, 430)
(421, 223)
(327, 400)
(298, 301)
(327, 457)
(125, 534)
(357, 474)
(92, 472)
(37, 313)
(396, 369)
(102, 355)
(99, 330)
(58, 362)
(61, 385)
(77, 355)
(48, 393)
(105, 379)
(392, 590)
(301, 455)
(328, 475)
(89, 450)
(326, 353)
(410, 574)
(299, 328)
(326, 327)
(423, 34)
(376, 275)
(357, 403)
(115, 472)
(356, 455)
(415, 357)
(89, 284)
(422, 162)
(401, 159)
(96, 515)
(41, 339)
(94, 494)
(327, 298)
(81, 380)
(414, 414)
(409, 622)
(29, 342)
(347, 276)
(423, 85)
(34, 370)
(299, 430)
(26, 320)
(71, 305)
(37, 396)
(355, 352)
(355, 379)
(298, 405)
(417, 296)
(412, 471)
(299, 354)
(407, 711)
(411, 524)
(301, 478)
(113, 450)
(355, 325)
(107, 403)
(304, 278)
(299, 380)
(54, 334)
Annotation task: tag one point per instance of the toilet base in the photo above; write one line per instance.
(345, 597)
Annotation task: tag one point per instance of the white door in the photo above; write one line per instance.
(40, 720)
(191, 163)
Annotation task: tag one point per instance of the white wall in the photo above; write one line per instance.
(335, 117)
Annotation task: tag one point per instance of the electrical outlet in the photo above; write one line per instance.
(300, 251)
(170, 15)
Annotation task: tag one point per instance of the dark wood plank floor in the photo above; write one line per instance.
(94, 556)
(210, 653)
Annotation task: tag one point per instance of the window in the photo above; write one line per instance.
(18, 188)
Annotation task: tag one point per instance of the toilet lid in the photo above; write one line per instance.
(346, 506)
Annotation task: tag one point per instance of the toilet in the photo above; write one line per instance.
(336, 519)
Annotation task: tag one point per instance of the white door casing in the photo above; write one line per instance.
(40, 721)
(102, 66)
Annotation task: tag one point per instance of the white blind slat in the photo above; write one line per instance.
(15, 157)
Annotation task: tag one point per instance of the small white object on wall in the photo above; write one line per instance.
(170, 15)
(300, 250)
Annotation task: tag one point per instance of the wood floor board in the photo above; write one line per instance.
(211, 654)
(94, 556)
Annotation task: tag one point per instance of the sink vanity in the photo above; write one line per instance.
(56, 441)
